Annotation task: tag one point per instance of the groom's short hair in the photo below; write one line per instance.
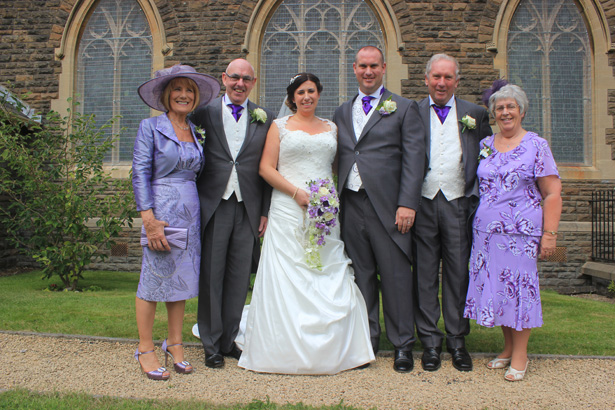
(370, 48)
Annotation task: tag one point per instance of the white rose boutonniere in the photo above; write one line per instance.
(258, 115)
(485, 152)
(468, 122)
(387, 107)
(199, 134)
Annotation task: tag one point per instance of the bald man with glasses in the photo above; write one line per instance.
(234, 206)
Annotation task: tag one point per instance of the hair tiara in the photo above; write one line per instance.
(292, 80)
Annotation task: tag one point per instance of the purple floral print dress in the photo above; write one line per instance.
(503, 289)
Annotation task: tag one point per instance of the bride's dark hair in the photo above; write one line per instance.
(295, 83)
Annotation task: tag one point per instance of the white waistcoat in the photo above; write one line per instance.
(235, 135)
(446, 171)
(359, 119)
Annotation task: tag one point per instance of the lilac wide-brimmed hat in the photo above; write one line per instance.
(150, 91)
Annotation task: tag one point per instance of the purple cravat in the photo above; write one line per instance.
(236, 110)
(366, 103)
(441, 111)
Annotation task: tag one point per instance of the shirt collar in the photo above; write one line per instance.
(227, 101)
(448, 104)
(376, 94)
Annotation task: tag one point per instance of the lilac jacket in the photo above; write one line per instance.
(155, 155)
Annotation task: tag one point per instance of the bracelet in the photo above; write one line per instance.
(295, 194)
(554, 233)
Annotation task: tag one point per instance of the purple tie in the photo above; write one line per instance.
(236, 110)
(441, 111)
(366, 103)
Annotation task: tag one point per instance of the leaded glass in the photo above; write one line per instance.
(114, 58)
(321, 37)
(550, 58)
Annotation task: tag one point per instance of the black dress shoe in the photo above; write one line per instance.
(214, 361)
(431, 359)
(461, 359)
(235, 352)
(363, 366)
(404, 362)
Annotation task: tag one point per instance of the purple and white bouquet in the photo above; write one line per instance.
(322, 214)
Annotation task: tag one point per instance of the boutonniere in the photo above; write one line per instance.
(387, 107)
(200, 135)
(258, 115)
(468, 122)
(485, 152)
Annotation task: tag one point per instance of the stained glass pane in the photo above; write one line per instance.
(114, 58)
(321, 37)
(550, 58)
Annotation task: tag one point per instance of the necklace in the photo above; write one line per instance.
(181, 127)
(508, 141)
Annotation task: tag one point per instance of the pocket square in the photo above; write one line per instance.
(176, 237)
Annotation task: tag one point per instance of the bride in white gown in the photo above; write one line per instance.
(302, 320)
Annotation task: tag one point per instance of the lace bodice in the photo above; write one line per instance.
(304, 157)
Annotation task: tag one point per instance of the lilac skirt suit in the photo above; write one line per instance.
(503, 289)
(164, 172)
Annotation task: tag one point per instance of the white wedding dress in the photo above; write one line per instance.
(303, 320)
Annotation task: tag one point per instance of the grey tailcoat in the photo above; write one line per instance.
(256, 193)
(470, 140)
(443, 231)
(230, 247)
(390, 156)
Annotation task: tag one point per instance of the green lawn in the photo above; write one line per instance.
(573, 326)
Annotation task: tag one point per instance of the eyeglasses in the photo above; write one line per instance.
(237, 77)
(509, 107)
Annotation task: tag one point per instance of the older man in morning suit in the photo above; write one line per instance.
(234, 204)
(442, 230)
(381, 148)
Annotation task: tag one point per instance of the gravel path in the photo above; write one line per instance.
(103, 366)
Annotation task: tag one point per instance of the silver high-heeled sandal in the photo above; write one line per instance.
(158, 374)
(499, 363)
(517, 375)
(181, 367)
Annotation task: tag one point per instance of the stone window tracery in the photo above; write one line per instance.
(114, 57)
(321, 37)
(549, 56)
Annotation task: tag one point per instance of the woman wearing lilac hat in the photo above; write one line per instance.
(168, 156)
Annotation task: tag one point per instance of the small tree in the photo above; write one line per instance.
(53, 176)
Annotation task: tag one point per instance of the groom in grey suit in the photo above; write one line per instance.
(234, 204)
(381, 148)
(442, 230)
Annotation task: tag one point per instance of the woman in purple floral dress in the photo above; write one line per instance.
(516, 173)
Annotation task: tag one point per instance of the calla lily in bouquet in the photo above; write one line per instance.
(322, 212)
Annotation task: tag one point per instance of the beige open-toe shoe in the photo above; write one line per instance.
(513, 375)
(499, 363)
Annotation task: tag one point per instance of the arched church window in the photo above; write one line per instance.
(321, 37)
(549, 56)
(114, 58)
